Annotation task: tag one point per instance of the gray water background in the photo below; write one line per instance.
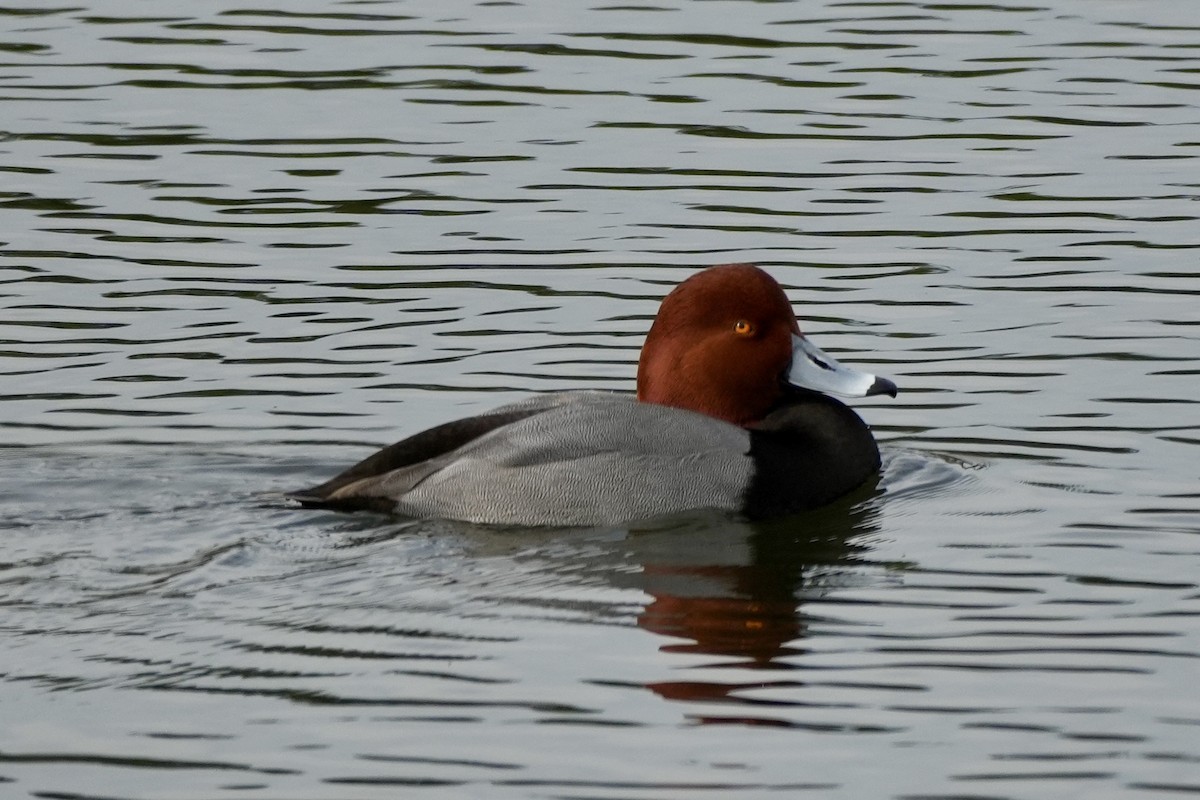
(244, 244)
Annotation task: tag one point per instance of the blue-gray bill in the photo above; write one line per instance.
(814, 369)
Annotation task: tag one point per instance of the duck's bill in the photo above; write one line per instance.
(813, 369)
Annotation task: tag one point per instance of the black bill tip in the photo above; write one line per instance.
(882, 386)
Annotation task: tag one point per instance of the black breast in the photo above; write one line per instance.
(808, 452)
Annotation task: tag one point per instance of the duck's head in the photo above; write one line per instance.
(726, 343)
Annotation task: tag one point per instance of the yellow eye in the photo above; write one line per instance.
(743, 328)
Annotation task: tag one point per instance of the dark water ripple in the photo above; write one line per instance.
(244, 245)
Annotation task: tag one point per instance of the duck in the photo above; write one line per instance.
(734, 412)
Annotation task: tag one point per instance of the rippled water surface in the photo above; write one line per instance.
(242, 245)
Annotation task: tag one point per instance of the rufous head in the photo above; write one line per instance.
(726, 343)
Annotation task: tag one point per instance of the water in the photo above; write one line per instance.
(243, 245)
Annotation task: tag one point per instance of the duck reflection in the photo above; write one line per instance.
(721, 594)
(735, 591)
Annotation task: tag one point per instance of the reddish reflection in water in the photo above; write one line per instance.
(738, 596)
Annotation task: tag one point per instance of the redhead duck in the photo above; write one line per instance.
(731, 413)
